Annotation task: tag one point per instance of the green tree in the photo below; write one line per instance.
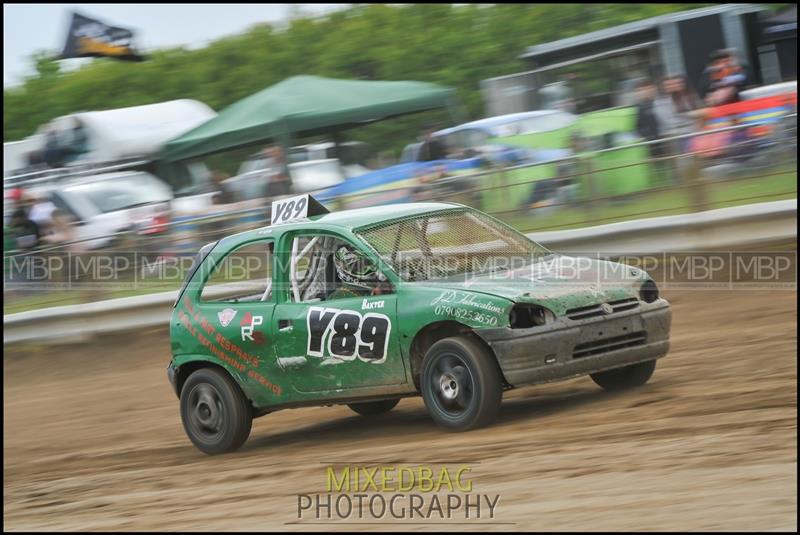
(453, 45)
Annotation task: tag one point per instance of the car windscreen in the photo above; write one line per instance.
(122, 193)
(450, 244)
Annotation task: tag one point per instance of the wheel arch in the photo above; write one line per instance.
(190, 364)
(439, 330)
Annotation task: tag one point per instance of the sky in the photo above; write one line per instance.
(28, 28)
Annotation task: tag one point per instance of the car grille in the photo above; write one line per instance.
(606, 345)
(591, 311)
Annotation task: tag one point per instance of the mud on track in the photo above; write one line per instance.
(93, 440)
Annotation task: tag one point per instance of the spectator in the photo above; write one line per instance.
(20, 236)
(41, 211)
(280, 182)
(12, 198)
(646, 120)
(25, 231)
(223, 193)
(431, 148)
(675, 110)
(425, 182)
(677, 113)
(63, 232)
(648, 127)
(723, 79)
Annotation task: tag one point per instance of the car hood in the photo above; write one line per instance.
(556, 282)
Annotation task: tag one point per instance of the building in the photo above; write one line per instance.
(599, 69)
(777, 46)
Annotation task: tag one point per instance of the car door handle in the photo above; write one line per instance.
(285, 324)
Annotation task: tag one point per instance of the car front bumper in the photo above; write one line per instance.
(568, 348)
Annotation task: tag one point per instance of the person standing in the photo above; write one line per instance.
(20, 238)
(41, 211)
(675, 109)
(431, 148)
(648, 127)
(646, 120)
(723, 79)
(279, 183)
(25, 231)
(676, 112)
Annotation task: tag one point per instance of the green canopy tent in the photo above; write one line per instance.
(306, 105)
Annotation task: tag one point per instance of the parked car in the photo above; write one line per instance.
(471, 147)
(111, 203)
(307, 174)
(477, 138)
(364, 307)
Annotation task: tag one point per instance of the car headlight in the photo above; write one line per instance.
(525, 316)
(649, 291)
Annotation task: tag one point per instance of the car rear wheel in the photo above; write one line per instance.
(370, 408)
(215, 413)
(461, 384)
(626, 377)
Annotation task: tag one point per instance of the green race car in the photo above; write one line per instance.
(363, 307)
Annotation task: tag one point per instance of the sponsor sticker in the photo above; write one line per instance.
(248, 324)
(226, 316)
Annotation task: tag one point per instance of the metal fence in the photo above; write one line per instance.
(669, 176)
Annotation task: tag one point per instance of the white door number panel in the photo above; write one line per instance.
(347, 334)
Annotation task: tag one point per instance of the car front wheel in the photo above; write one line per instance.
(461, 384)
(215, 413)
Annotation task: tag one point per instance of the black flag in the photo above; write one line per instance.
(92, 38)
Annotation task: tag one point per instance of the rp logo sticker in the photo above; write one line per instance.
(248, 325)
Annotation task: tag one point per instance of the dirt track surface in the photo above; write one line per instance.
(93, 440)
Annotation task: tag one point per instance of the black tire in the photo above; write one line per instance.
(626, 377)
(461, 384)
(215, 413)
(371, 408)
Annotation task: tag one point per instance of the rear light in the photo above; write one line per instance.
(158, 222)
(156, 225)
(525, 316)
